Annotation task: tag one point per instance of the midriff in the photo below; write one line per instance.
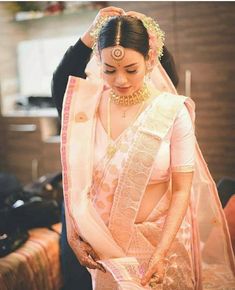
(152, 196)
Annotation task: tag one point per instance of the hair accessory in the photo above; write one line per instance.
(156, 36)
(137, 97)
(118, 51)
(94, 33)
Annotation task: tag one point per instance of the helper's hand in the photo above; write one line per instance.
(135, 14)
(87, 256)
(107, 11)
(156, 271)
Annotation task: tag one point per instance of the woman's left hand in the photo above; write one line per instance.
(156, 271)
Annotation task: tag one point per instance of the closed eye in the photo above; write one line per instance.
(132, 71)
(109, 71)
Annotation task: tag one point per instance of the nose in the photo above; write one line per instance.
(120, 79)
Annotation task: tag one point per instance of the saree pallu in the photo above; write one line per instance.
(200, 256)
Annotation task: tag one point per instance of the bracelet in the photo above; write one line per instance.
(95, 30)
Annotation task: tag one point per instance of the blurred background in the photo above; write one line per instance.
(35, 35)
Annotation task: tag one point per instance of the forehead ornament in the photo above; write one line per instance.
(118, 51)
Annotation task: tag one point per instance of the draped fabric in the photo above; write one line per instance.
(201, 256)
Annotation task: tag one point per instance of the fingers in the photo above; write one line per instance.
(155, 273)
(90, 257)
(93, 254)
(152, 277)
(101, 267)
(135, 14)
(111, 10)
(86, 261)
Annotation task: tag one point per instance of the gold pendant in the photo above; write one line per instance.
(111, 150)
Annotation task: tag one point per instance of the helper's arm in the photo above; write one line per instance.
(73, 63)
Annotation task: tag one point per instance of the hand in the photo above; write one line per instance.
(87, 256)
(107, 11)
(156, 271)
(135, 14)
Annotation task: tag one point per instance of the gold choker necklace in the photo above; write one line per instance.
(137, 97)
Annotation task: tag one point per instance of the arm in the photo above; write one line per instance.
(73, 63)
(182, 166)
(76, 58)
(181, 184)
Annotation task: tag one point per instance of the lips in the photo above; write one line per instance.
(122, 89)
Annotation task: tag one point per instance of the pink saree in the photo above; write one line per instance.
(200, 257)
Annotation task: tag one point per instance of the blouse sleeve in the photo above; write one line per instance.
(183, 143)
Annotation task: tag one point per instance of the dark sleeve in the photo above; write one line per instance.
(168, 64)
(73, 63)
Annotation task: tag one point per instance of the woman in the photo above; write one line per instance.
(138, 195)
(74, 63)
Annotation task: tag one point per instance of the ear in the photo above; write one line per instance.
(150, 61)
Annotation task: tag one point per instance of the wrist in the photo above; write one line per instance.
(160, 253)
(87, 39)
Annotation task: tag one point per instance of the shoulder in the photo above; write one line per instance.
(170, 102)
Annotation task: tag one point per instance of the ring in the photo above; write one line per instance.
(155, 278)
(153, 285)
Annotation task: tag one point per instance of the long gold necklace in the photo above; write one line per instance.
(112, 148)
(137, 97)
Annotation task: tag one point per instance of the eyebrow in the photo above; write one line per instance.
(126, 66)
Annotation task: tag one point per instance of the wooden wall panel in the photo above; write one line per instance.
(201, 36)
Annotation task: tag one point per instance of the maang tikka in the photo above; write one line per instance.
(118, 51)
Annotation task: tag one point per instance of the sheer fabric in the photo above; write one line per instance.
(176, 153)
(201, 256)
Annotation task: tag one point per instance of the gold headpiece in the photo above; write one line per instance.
(118, 51)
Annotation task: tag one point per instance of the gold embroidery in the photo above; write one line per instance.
(124, 148)
(81, 117)
(110, 198)
(137, 167)
(186, 168)
(105, 187)
(115, 182)
(100, 204)
(113, 170)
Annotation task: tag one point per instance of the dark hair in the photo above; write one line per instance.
(133, 34)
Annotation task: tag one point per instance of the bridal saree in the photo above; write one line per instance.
(200, 256)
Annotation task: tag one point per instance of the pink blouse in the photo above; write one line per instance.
(176, 152)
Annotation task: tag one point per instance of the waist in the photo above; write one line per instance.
(152, 197)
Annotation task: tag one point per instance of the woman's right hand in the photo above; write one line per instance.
(87, 39)
(87, 256)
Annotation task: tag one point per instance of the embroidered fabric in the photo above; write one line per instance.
(175, 154)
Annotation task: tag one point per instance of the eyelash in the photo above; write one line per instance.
(113, 71)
